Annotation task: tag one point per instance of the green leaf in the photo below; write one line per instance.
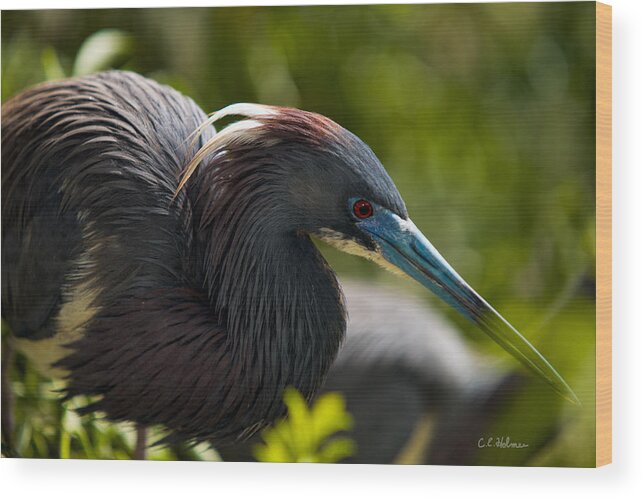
(51, 64)
(336, 450)
(306, 434)
(105, 49)
(329, 416)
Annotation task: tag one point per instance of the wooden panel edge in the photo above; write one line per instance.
(603, 234)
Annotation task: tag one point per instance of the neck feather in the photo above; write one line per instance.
(271, 289)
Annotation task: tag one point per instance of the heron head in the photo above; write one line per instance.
(333, 187)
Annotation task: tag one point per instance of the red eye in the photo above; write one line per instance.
(362, 209)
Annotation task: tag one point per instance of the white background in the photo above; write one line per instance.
(623, 479)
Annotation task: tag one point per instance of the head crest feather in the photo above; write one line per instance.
(233, 132)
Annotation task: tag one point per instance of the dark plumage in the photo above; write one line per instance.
(176, 263)
(182, 318)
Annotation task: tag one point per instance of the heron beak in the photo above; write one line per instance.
(405, 247)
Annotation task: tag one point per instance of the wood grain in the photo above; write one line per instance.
(603, 234)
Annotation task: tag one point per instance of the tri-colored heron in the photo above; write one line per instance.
(176, 263)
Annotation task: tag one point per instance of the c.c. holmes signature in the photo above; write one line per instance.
(500, 443)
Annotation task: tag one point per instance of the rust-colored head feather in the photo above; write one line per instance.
(262, 124)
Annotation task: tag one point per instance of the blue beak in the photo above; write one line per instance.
(403, 245)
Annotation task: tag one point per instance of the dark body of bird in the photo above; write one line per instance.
(175, 263)
(95, 240)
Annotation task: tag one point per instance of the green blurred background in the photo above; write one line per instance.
(483, 114)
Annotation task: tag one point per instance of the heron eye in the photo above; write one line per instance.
(362, 209)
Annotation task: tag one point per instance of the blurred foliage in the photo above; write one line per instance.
(483, 114)
(305, 435)
(104, 49)
(557, 432)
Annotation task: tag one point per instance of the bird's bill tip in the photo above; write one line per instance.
(404, 246)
